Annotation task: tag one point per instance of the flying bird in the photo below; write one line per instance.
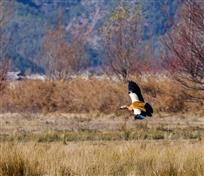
(139, 107)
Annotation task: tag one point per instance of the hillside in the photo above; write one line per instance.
(32, 18)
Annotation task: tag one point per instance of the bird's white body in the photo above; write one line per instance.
(134, 98)
(137, 111)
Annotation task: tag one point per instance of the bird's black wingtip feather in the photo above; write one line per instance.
(132, 86)
(130, 81)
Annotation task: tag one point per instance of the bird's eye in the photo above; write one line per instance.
(129, 92)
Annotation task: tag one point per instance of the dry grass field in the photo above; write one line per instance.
(56, 127)
(76, 128)
(71, 144)
(117, 158)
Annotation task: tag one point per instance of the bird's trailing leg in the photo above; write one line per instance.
(130, 108)
(124, 107)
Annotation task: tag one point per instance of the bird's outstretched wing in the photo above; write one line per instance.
(134, 92)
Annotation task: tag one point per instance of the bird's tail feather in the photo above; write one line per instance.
(149, 109)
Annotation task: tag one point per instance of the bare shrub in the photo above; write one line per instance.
(185, 54)
(121, 42)
(4, 67)
(6, 8)
(64, 49)
(63, 58)
(165, 94)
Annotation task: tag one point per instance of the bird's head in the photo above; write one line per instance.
(133, 96)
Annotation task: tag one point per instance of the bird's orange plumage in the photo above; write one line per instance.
(137, 105)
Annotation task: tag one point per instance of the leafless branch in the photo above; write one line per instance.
(121, 40)
(185, 45)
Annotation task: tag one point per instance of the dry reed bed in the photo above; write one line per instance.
(101, 158)
(85, 96)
